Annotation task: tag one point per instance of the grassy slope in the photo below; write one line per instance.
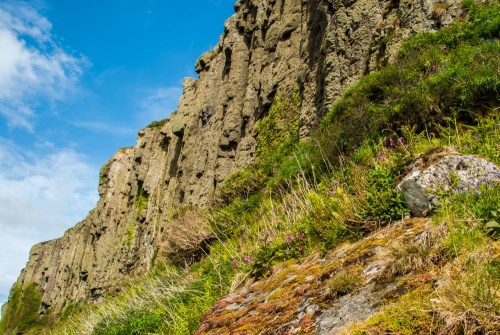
(303, 198)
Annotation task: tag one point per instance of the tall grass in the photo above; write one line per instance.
(169, 301)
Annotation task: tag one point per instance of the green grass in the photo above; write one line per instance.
(168, 300)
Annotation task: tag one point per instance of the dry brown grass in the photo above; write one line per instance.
(439, 11)
(419, 253)
(185, 235)
(403, 258)
(469, 299)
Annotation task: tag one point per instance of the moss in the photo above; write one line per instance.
(130, 235)
(278, 131)
(141, 198)
(411, 315)
(22, 309)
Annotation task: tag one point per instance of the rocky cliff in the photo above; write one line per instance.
(269, 47)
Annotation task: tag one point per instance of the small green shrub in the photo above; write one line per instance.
(141, 200)
(272, 252)
(157, 123)
(240, 185)
(342, 283)
(493, 226)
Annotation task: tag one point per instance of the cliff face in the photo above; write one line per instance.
(318, 47)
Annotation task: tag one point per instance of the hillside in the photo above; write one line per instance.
(268, 205)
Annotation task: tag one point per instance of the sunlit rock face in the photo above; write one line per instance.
(268, 47)
(428, 177)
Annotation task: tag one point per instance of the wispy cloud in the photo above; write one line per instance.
(102, 127)
(158, 103)
(41, 196)
(34, 68)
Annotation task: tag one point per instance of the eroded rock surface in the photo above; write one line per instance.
(269, 47)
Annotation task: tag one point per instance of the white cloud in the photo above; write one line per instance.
(159, 103)
(41, 196)
(34, 68)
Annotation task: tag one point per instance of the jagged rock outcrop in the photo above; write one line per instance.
(269, 47)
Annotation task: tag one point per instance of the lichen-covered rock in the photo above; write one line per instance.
(296, 297)
(430, 176)
(352, 308)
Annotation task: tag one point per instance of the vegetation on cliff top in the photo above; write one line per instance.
(303, 198)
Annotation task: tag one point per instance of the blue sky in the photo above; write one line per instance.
(78, 79)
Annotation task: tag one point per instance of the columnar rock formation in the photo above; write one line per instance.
(269, 47)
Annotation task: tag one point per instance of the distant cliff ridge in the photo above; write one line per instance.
(319, 47)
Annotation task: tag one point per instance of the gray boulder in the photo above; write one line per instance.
(432, 175)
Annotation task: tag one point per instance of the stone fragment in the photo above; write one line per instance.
(432, 175)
